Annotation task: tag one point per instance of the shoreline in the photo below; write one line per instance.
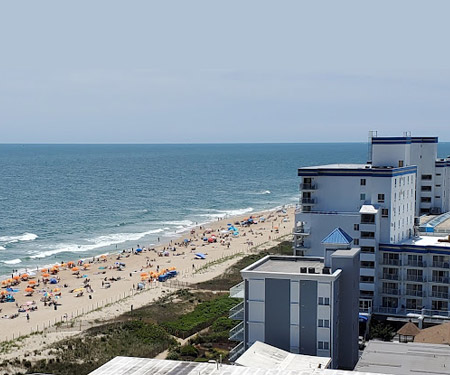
(167, 240)
(124, 282)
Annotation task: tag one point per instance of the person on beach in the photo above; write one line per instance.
(28, 318)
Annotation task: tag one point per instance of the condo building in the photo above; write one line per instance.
(298, 304)
(378, 204)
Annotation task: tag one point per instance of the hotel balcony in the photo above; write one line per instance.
(238, 291)
(390, 276)
(416, 263)
(404, 312)
(308, 201)
(441, 265)
(439, 295)
(391, 262)
(415, 293)
(301, 231)
(386, 310)
(237, 333)
(308, 186)
(417, 279)
(237, 312)
(391, 291)
(441, 279)
(236, 352)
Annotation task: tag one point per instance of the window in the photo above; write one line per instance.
(425, 188)
(426, 177)
(325, 323)
(366, 279)
(425, 199)
(363, 182)
(368, 249)
(355, 226)
(356, 241)
(324, 345)
(380, 198)
(324, 301)
(367, 264)
(367, 235)
(384, 212)
(438, 185)
(362, 196)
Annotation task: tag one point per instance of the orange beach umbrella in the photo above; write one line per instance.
(29, 290)
(75, 269)
(45, 275)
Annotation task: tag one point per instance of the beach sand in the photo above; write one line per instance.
(107, 302)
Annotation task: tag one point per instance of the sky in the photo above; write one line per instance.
(230, 71)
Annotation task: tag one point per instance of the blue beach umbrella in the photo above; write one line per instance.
(53, 281)
(138, 250)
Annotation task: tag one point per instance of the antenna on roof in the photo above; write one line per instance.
(407, 133)
(372, 134)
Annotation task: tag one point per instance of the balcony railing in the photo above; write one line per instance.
(390, 276)
(441, 265)
(301, 231)
(236, 352)
(441, 279)
(416, 263)
(415, 293)
(385, 310)
(439, 295)
(395, 292)
(308, 186)
(237, 333)
(391, 262)
(238, 291)
(308, 200)
(237, 312)
(418, 279)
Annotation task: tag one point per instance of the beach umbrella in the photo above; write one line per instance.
(144, 274)
(31, 282)
(138, 250)
(45, 275)
(75, 269)
(44, 270)
(24, 276)
(4, 282)
(211, 239)
(56, 289)
(16, 277)
(3, 292)
(53, 281)
(186, 240)
(29, 290)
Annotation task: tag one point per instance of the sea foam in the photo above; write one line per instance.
(22, 237)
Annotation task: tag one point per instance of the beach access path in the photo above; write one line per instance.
(107, 302)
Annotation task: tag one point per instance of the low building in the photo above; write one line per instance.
(404, 359)
(268, 357)
(297, 304)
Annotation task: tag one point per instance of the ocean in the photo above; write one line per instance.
(65, 202)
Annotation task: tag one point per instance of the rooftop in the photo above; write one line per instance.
(338, 237)
(401, 359)
(286, 264)
(427, 241)
(269, 357)
(439, 334)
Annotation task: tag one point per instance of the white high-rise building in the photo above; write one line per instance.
(376, 204)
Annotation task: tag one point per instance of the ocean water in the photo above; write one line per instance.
(64, 202)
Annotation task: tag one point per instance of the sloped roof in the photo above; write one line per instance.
(409, 329)
(338, 237)
(439, 334)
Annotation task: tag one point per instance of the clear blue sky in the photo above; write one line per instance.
(229, 71)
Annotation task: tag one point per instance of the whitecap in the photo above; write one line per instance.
(14, 239)
(2, 248)
(12, 261)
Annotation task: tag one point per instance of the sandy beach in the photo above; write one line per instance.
(110, 285)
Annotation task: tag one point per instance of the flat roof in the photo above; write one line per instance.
(427, 241)
(402, 359)
(148, 366)
(269, 357)
(286, 264)
(368, 170)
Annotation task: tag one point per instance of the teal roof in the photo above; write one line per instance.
(338, 237)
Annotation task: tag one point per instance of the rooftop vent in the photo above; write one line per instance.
(311, 270)
(326, 270)
(303, 269)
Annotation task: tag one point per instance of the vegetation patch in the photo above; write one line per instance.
(201, 317)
